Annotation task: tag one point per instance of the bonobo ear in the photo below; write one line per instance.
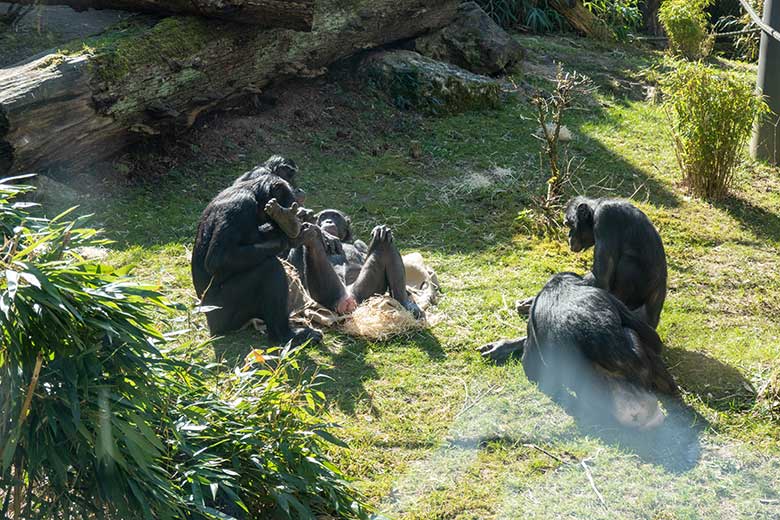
(584, 214)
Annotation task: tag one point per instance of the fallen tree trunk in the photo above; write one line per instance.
(151, 77)
(287, 14)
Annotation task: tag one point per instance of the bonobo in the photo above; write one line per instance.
(629, 259)
(584, 339)
(235, 268)
(280, 166)
(341, 272)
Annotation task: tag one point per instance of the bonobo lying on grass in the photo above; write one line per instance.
(629, 259)
(340, 272)
(235, 267)
(583, 339)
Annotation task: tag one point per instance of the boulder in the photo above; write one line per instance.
(417, 82)
(473, 41)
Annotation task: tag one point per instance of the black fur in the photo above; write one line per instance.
(576, 331)
(281, 167)
(629, 259)
(234, 261)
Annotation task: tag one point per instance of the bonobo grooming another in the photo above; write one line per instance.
(629, 259)
(341, 272)
(235, 267)
(582, 338)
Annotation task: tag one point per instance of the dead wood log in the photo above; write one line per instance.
(287, 14)
(150, 77)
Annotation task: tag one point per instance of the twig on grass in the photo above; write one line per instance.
(476, 401)
(584, 465)
(542, 450)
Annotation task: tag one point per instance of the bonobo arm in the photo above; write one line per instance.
(237, 243)
(606, 256)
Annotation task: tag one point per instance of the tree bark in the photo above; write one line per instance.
(650, 17)
(581, 19)
(287, 14)
(152, 77)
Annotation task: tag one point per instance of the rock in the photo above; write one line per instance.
(473, 41)
(564, 134)
(415, 81)
(49, 190)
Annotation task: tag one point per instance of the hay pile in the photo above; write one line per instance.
(379, 317)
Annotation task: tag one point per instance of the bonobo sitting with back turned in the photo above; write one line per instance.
(341, 272)
(235, 267)
(629, 259)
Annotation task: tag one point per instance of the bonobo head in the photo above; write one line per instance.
(281, 167)
(578, 217)
(336, 223)
(287, 170)
(267, 187)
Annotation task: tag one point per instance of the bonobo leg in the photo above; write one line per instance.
(501, 351)
(258, 293)
(383, 270)
(322, 281)
(650, 312)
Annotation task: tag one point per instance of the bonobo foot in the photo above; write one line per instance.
(500, 351)
(286, 218)
(523, 307)
(412, 307)
(346, 305)
(380, 235)
(302, 335)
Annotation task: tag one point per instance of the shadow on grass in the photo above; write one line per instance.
(342, 358)
(349, 369)
(718, 385)
(762, 223)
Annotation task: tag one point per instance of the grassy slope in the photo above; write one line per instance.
(437, 433)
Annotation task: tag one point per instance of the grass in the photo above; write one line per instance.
(436, 433)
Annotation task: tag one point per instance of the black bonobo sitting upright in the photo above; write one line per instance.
(341, 272)
(629, 259)
(235, 268)
(584, 339)
(280, 166)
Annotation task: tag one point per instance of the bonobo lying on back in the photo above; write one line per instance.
(235, 267)
(581, 338)
(341, 272)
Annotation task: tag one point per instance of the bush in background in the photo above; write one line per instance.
(711, 114)
(96, 422)
(686, 23)
(535, 15)
(623, 17)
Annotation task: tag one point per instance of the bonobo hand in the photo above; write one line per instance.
(380, 235)
(286, 218)
(333, 245)
(523, 307)
(310, 234)
(500, 351)
(306, 215)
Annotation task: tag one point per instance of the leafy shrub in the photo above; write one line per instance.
(686, 23)
(711, 113)
(622, 17)
(95, 422)
(256, 442)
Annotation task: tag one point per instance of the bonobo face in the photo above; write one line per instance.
(335, 223)
(579, 219)
(287, 170)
